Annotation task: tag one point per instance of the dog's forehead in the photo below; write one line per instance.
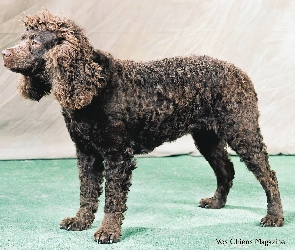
(42, 36)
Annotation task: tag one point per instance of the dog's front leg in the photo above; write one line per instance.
(91, 178)
(118, 170)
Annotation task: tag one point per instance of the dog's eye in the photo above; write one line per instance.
(35, 43)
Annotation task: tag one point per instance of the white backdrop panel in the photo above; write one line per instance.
(258, 36)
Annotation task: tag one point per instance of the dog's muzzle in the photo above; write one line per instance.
(6, 54)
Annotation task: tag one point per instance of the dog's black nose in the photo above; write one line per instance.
(6, 53)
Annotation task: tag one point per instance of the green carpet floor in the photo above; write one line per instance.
(163, 208)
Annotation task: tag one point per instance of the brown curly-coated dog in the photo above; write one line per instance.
(114, 109)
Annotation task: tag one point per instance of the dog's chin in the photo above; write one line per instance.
(16, 69)
(24, 71)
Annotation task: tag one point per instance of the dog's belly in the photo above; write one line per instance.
(146, 146)
(146, 140)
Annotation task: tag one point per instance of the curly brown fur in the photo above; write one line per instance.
(114, 109)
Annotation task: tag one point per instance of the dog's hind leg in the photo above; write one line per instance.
(214, 151)
(91, 178)
(246, 140)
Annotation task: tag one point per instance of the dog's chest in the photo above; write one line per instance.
(84, 127)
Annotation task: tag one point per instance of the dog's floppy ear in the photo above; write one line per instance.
(74, 76)
(33, 88)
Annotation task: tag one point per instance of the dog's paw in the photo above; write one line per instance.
(106, 236)
(272, 221)
(211, 203)
(74, 224)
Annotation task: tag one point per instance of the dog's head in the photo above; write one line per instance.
(55, 55)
